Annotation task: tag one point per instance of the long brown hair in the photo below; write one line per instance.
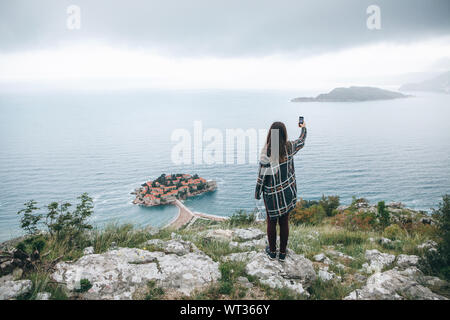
(282, 143)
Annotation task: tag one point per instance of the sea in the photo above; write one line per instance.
(55, 146)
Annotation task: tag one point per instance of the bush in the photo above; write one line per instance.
(154, 292)
(312, 215)
(241, 217)
(394, 231)
(383, 214)
(438, 263)
(230, 271)
(359, 202)
(85, 285)
(329, 204)
(59, 222)
(354, 220)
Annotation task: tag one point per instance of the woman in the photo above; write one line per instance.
(276, 180)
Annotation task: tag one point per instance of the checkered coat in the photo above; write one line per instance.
(276, 181)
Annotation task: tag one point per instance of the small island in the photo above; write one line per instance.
(168, 188)
(353, 94)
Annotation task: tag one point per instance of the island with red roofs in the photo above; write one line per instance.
(167, 188)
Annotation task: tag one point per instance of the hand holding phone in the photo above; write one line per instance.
(301, 122)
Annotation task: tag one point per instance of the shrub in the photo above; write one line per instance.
(383, 214)
(311, 215)
(394, 231)
(307, 203)
(60, 223)
(355, 220)
(230, 271)
(241, 217)
(154, 292)
(85, 285)
(329, 204)
(30, 219)
(438, 263)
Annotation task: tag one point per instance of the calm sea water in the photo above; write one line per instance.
(53, 147)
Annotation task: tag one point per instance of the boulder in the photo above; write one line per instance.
(12, 289)
(340, 255)
(326, 275)
(295, 273)
(385, 241)
(88, 250)
(395, 205)
(377, 260)
(248, 245)
(427, 245)
(117, 274)
(43, 296)
(235, 235)
(405, 261)
(394, 284)
(248, 234)
(179, 247)
(321, 257)
(219, 234)
(243, 281)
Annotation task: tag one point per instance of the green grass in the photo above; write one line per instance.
(41, 282)
(122, 235)
(328, 290)
(154, 292)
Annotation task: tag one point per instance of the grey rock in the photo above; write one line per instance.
(248, 245)
(295, 273)
(405, 261)
(321, 257)
(394, 284)
(219, 234)
(377, 260)
(88, 250)
(179, 247)
(385, 241)
(43, 296)
(235, 235)
(247, 234)
(243, 281)
(427, 245)
(117, 274)
(434, 282)
(339, 254)
(395, 205)
(325, 275)
(13, 289)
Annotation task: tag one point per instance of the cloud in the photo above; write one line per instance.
(104, 67)
(220, 28)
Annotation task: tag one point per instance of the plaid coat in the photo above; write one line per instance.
(276, 181)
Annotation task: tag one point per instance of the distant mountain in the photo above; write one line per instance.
(353, 94)
(439, 84)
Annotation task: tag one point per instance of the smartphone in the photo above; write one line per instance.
(300, 120)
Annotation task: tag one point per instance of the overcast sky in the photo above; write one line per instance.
(222, 44)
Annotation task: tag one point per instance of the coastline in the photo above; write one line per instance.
(185, 215)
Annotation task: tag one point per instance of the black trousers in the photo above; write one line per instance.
(283, 221)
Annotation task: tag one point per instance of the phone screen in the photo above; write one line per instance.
(300, 120)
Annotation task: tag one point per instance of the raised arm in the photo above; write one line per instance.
(300, 142)
(264, 165)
